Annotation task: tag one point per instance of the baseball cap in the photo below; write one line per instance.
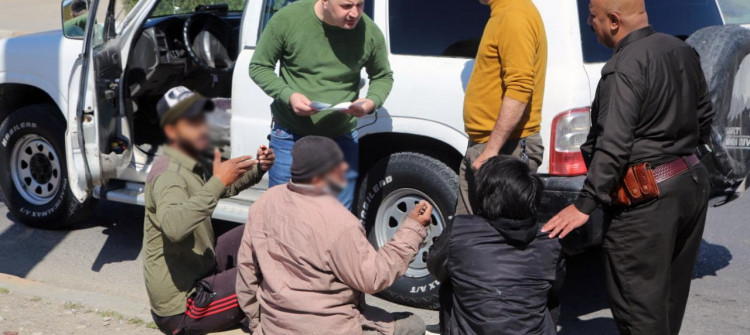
(181, 102)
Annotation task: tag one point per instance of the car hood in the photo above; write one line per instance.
(24, 54)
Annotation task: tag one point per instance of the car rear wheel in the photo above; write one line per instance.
(725, 58)
(387, 193)
(35, 188)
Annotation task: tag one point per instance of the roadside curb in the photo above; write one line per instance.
(21, 286)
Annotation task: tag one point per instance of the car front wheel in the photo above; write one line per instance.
(35, 186)
(387, 193)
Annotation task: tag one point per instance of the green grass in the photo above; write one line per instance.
(152, 325)
(73, 305)
(4, 290)
(136, 321)
(111, 314)
(36, 299)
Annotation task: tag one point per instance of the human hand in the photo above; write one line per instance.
(477, 164)
(266, 157)
(422, 213)
(301, 105)
(564, 222)
(230, 170)
(360, 107)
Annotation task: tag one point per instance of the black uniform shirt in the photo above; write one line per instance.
(652, 105)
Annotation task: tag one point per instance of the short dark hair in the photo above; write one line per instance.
(78, 6)
(507, 189)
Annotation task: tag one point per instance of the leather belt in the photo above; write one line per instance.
(674, 168)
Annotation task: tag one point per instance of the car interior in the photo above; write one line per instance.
(196, 50)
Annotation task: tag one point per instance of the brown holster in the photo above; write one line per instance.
(638, 186)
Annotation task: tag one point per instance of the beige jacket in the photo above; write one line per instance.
(304, 261)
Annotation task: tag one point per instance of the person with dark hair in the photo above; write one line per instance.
(496, 269)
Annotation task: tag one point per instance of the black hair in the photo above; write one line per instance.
(78, 6)
(507, 189)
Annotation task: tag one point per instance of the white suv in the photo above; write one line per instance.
(78, 120)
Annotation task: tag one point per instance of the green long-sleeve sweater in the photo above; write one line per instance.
(321, 61)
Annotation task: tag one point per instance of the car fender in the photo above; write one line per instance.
(383, 122)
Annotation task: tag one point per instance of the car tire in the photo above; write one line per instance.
(387, 193)
(35, 186)
(725, 59)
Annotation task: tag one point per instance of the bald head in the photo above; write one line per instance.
(612, 20)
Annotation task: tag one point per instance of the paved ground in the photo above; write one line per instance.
(97, 264)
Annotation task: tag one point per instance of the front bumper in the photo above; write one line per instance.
(559, 192)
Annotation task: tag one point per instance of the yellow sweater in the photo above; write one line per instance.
(512, 61)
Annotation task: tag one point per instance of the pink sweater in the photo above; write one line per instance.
(304, 262)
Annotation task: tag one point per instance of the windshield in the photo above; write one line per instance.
(176, 7)
(735, 11)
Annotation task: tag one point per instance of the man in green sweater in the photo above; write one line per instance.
(322, 45)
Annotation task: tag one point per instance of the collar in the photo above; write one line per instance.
(181, 158)
(634, 36)
(304, 189)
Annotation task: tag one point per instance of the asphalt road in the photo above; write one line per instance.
(101, 255)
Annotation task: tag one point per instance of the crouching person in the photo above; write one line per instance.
(190, 277)
(497, 266)
(305, 262)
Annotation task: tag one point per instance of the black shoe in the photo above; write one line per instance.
(433, 329)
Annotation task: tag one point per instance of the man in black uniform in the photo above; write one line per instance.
(652, 106)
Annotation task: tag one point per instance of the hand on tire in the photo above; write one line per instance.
(422, 213)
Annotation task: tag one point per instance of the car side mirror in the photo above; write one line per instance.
(75, 14)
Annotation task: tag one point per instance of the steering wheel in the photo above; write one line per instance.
(210, 42)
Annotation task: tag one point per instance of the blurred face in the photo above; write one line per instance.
(604, 23)
(334, 181)
(343, 13)
(190, 134)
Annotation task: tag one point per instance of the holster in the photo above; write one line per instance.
(637, 186)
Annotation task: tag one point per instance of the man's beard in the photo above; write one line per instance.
(334, 188)
(188, 148)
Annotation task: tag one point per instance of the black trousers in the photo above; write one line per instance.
(213, 307)
(650, 252)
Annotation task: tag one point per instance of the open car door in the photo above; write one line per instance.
(99, 127)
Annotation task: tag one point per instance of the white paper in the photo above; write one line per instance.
(322, 106)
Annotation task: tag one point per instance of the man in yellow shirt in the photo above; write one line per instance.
(503, 103)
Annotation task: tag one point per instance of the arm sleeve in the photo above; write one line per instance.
(517, 51)
(268, 52)
(379, 71)
(177, 212)
(705, 110)
(250, 178)
(614, 145)
(437, 258)
(248, 279)
(356, 263)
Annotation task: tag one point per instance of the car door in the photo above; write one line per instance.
(99, 129)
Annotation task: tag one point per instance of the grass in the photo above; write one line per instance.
(73, 305)
(152, 325)
(4, 290)
(36, 299)
(111, 314)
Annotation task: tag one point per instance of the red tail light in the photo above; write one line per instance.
(569, 131)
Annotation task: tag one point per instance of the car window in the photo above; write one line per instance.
(176, 7)
(272, 6)
(449, 28)
(735, 11)
(680, 18)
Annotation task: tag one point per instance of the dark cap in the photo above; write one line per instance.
(314, 156)
(191, 106)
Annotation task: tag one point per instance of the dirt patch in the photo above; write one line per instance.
(23, 315)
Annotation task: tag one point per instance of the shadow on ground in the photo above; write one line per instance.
(24, 247)
(584, 292)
